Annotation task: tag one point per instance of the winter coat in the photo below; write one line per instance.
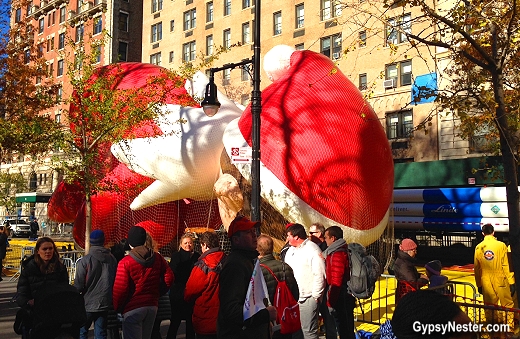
(95, 275)
(202, 289)
(404, 267)
(141, 278)
(276, 267)
(408, 278)
(31, 279)
(181, 264)
(234, 282)
(337, 269)
(3, 246)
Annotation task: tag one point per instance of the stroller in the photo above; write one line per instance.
(58, 312)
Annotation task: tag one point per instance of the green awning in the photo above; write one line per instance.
(33, 197)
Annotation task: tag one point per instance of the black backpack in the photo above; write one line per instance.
(364, 271)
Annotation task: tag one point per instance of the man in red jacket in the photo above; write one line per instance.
(341, 304)
(141, 278)
(203, 286)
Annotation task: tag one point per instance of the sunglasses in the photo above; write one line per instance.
(314, 232)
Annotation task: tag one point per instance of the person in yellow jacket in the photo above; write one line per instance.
(494, 280)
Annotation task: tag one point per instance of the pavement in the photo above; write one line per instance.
(8, 309)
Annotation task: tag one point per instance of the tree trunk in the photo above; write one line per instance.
(88, 222)
(510, 173)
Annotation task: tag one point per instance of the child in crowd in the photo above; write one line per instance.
(433, 271)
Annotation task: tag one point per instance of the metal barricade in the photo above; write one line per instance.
(379, 308)
(71, 268)
(24, 252)
(490, 319)
(12, 257)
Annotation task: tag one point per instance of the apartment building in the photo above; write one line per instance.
(55, 23)
(379, 60)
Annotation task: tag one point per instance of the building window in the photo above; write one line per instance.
(190, 19)
(78, 62)
(227, 7)
(18, 15)
(399, 124)
(397, 29)
(155, 59)
(59, 94)
(61, 41)
(122, 51)
(156, 5)
(299, 47)
(406, 72)
(246, 4)
(479, 143)
(362, 82)
(227, 38)
(63, 12)
(27, 56)
(209, 45)
(244, 99)
(60, 67)
(57, 117)
(79, 32)
(330, 9)
(300, 17)
(123, 21)
(277, 23)
(98, 25)
(50, 44)
(50, 73)
(209, 11)
(49, 18)
(362, 39)
(331, 46)
(226, 78)
(41, 25)
(156, 32)
(172, 56)
(244, 76)
(400, 74)
(98, 53)
(40, 51)
(189, 51)
(246, 33)
(172, 25)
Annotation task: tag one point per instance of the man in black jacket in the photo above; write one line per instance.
(234, 282)
(34, 228)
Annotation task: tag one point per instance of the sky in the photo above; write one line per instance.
(4, 16)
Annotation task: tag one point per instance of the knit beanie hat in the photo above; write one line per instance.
(136, 236)
(434, 267)
(407, 245)
(97, 238)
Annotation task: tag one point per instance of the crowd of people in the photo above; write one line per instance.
(209, 289)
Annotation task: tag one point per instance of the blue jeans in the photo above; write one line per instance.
(100, 325)
(138, 323)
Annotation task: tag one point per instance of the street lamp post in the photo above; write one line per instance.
(211, 105)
